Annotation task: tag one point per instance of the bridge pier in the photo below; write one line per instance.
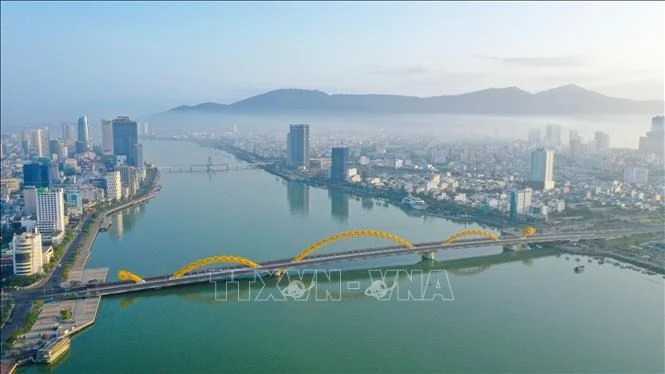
(431, 256)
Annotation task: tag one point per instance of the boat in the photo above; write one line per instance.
(106, 223)
(579, 269)
(414, 202)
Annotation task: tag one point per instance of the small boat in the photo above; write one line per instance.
(579, 269)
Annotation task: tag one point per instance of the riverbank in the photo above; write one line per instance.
(84, 254)
(389, 196)
(75, 260)
(593, 252)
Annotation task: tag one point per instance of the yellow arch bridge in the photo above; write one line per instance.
(128, 276)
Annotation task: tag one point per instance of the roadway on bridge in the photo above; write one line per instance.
(267, 267)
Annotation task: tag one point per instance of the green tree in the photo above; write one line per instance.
(66, 314)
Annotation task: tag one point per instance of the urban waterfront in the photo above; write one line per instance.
(531, 315)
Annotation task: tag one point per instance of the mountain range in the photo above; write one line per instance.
(564, 100)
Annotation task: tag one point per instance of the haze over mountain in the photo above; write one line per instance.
(563, 100)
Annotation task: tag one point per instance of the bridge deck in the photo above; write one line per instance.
(266, 267)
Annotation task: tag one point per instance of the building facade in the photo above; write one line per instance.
(68, 134)
(520, 202)
(40, 142)
(654, 141)
(542, 169)
(37, 174)
(340, 161)
(29, 201)
(107, 137)
(125, 136)
(553, 135)
(50, 211)
(83, 136)
(602, 141)
(27, 253)
(73, 202)
(297, 146)
(129, 179)
(113, 185)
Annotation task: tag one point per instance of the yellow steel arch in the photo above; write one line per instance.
(212, 260)
(352, 234)
(125, 275)
(465, 233)
(528, 231)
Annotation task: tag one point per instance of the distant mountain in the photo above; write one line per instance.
(203, 107)
(569, 99)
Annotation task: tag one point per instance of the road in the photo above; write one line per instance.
(162, 281)
(23, 299)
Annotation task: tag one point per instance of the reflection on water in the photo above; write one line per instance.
(367, 203)
(125, 220)
(297, 195)
(118, 225)
(339, 205)
(347, 284)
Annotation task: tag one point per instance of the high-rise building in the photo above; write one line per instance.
(113, 185)
(50, 210)
(129, 179)
(140, 164)
(553, 135)
(68, 134)
(27, 253)
(40, 142)
(30, 200)
(125, 136)
(602, 141)
(340, 160)
(542, 169)
(573, 135)
(107, 137)
(56, 147)
(297, 146)
(575, 148)
(654, 141)
(534, 137)
(138, 154)
(37, 174)
(83, 138)
(520, 202)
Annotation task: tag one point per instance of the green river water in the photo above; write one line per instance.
(504, 313)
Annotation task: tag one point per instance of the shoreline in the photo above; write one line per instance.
(147, 193)
(245, 156)
(649, 266)
(80, 257)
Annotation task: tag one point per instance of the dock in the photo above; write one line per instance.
(49, 335)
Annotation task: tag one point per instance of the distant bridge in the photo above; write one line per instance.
(191, 273)
(211, 167)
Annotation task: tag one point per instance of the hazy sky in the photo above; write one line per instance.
(59, 59)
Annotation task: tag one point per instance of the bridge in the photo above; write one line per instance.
(200, 272)
(211, 167)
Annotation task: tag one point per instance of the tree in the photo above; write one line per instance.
(66, 314)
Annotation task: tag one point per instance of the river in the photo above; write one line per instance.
(517, 314)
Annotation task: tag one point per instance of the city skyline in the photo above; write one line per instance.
(270, 50)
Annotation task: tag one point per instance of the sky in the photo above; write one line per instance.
(62, 59)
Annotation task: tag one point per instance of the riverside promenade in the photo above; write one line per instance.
(83, 312)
